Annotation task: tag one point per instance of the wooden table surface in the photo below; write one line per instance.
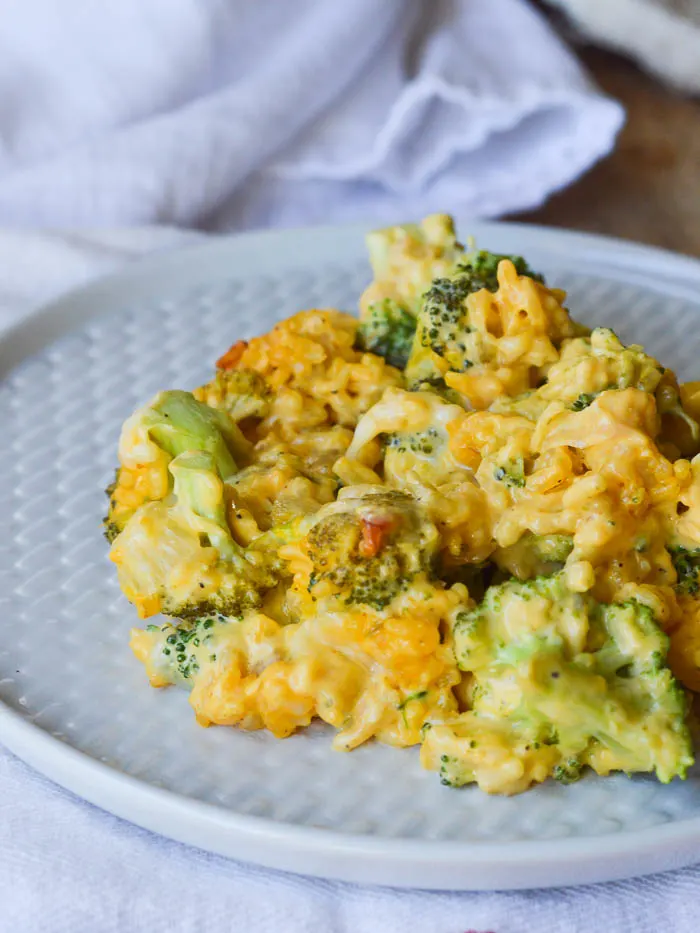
(649, 188)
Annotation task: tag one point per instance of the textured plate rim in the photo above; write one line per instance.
(417, 863)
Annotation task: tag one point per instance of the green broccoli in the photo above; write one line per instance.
(511, 473)
(534, 555)
(568, 771)
(443, 320)
(241, 393)
(211, 657)
(686, 563)
(599, 363)
(113, 522)
(368, 550)
(175, 653)
(412, 426)
(582, 401)
(559, 682)
(482, 267)
(676, 424)
(388, 331)
(172, 423)
(177, 555)
(177, 422)
(589, 365)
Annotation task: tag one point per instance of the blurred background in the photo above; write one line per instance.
(223, 115)
(648, 189)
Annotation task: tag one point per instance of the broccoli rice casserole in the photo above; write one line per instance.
(461, 520)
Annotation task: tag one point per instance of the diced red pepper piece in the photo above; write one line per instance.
(231, 357)
(375, 531)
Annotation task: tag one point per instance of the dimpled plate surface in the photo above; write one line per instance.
(74, 702)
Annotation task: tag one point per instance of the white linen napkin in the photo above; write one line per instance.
(67, 867)
(232, 113)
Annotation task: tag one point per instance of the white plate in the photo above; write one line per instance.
(75, 704)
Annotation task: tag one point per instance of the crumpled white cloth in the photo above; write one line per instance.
(67, 867)
(662, 35)
(234, 113)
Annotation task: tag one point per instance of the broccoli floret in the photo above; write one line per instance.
(568, 772)
(677, 425)
(583, 401)
(177, 555)
(241, 393)
(511, 474)
(175, 653)
(551, 547)
(622, 367)
(369, 549)
(686, 563)
(215, 658)
(413, 429)
(561, 681)
(443, 319)
(172, 423)
(534, 555)
(112, 523)
(388, 331)
(482, 267)
(177, 422)
(417, 442)
(590, 365)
